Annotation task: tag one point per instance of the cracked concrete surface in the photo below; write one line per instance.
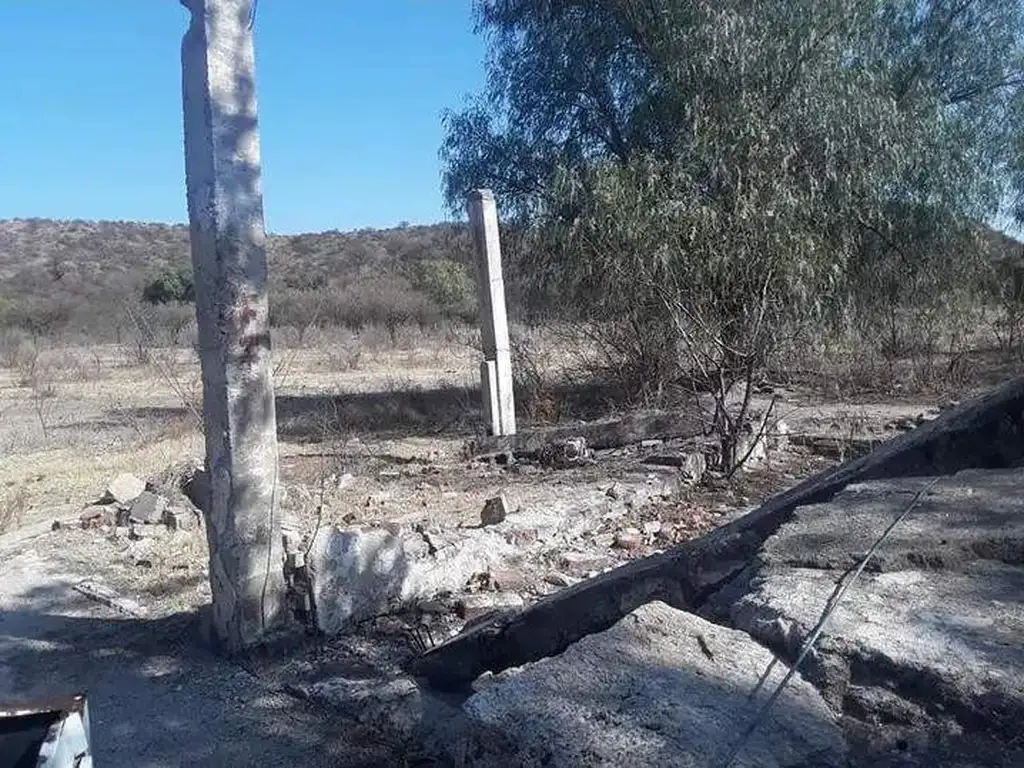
(930, 639)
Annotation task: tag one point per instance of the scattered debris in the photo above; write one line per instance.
(103, 594)
(599, 435)
(651, 527)
(507, 579)
(495, 510)
(178, 519)
(835, 447)
(629, 539)
(99, 516)
(692, 464)
(581, 563)
(559, 579)
(139, 531)
(476, 605)
(985, 432)
(571, 452)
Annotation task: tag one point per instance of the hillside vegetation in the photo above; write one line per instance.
(79, 280)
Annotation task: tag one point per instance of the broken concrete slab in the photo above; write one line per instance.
(972, 515)
(359, 573)
(986, 433)
(949, 643)
(366, 571)
(124, 489)
(661, 687)
(937, 624)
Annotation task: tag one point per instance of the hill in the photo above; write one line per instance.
(82, 273)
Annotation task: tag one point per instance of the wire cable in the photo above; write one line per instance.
(813, 637)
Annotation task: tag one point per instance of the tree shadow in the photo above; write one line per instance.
(157, 696)
(444, 411)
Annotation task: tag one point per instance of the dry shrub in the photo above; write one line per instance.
(532, 376)
(13, 506)
(16, 348)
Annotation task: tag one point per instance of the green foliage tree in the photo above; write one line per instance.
(448, 284)
(171, 284)
(698, 178)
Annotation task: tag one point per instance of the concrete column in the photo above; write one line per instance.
(496, 370)
(225, 208)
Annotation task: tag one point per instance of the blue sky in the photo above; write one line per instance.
(351, 94)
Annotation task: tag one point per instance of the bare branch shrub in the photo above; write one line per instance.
(13, 506)
(167, 360)
(15, 348)
(532, 377)
(1006, 285)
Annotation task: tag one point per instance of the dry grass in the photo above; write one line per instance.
(72, 417)
(107, 413)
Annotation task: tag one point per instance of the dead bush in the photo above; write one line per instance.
(15, 348)
(532, 376)
(13, 506)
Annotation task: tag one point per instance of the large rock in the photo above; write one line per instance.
(935, 625)
(359, 573)
(661, 687)
(148, 508)
(124, 489)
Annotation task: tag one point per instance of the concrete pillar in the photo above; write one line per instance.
(225, 208)
(496, 369)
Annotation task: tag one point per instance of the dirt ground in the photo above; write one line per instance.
(378, 442)
(371, 441)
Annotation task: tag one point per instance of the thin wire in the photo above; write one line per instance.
(252, 14)
(829, 609)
